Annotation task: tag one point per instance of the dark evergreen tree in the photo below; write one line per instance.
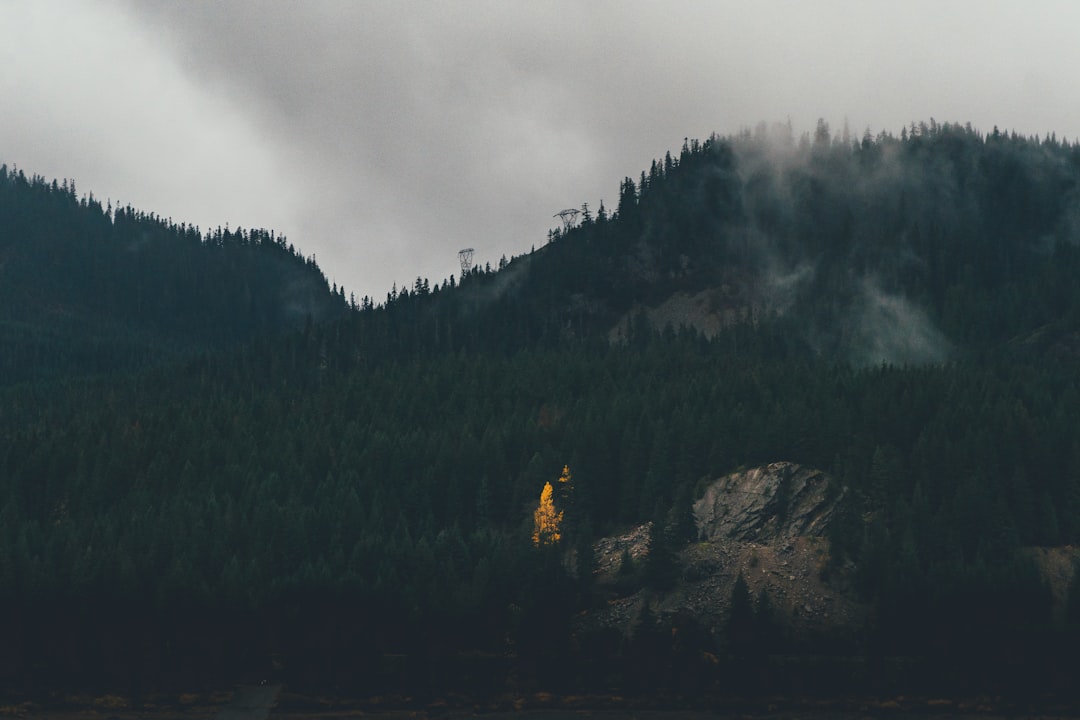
(740, 628)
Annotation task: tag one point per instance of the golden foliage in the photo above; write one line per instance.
(546, 520)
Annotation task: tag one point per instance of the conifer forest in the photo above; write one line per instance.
(218, 467)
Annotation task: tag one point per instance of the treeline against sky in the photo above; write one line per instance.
(87, 288)
(922, 248)
(364, 489)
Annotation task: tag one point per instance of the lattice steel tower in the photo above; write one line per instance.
(465, 257)
(568, 217)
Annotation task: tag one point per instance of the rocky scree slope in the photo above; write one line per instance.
(767, 524)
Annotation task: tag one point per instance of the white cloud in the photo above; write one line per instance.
(91, 96)
(382, 137)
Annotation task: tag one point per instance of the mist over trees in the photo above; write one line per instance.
(898, 311)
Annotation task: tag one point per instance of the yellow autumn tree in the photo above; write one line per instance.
(546, 520)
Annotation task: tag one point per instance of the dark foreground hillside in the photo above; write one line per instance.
(361, 507)
(193, 527)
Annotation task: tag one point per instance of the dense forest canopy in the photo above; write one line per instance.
(898, 311)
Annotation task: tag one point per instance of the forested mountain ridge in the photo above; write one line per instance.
(919, 248)
(353, 503)
(92, 289)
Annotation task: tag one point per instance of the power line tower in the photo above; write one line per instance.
(465, 257)
(568, 217)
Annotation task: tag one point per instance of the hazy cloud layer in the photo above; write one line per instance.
(382, 137)
(890, 329)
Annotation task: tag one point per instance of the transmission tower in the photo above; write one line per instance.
(465, 256)
(568, 217)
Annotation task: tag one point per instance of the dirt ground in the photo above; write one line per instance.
(253, 702)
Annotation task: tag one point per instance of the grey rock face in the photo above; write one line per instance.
(766, 525)
(767, 504)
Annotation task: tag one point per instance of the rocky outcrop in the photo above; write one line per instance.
(769, 504)
(766, 524)
(707, 312)
(609, 551)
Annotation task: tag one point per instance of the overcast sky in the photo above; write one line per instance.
(382, 137)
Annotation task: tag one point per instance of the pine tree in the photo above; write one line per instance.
(741, 621)
(661, 564)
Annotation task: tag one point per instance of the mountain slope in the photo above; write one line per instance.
(353, 504)
(86, 289)
(924, 248)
